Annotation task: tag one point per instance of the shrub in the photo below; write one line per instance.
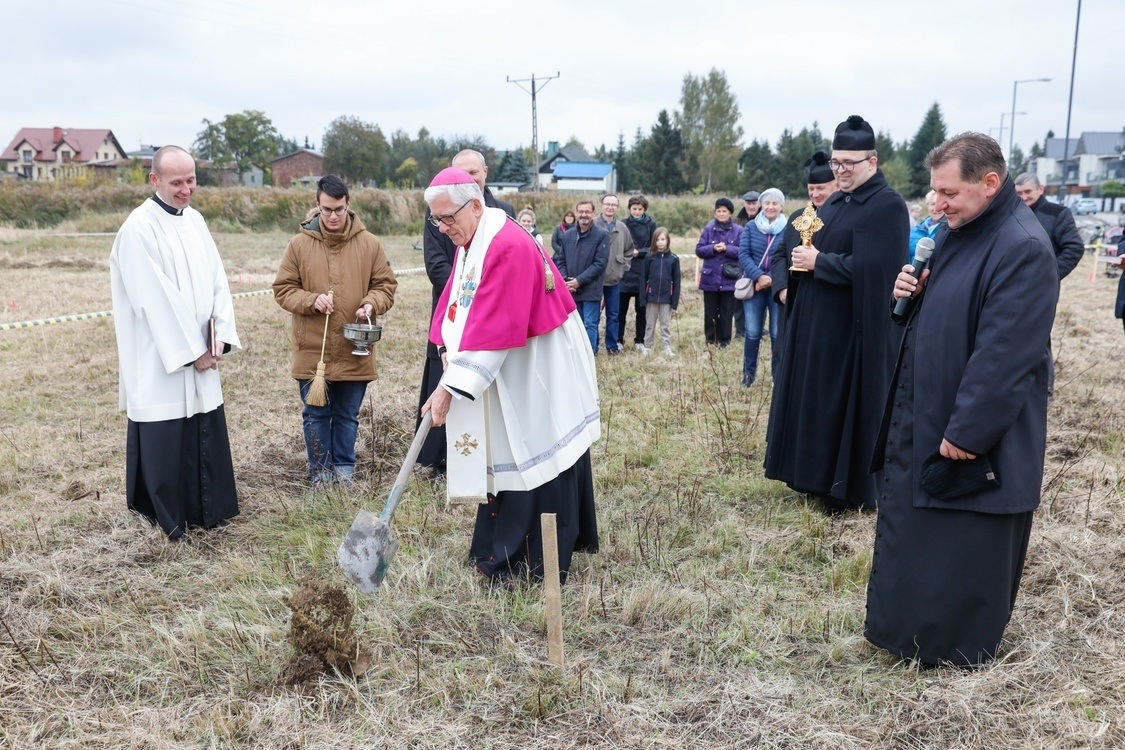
(390, 212)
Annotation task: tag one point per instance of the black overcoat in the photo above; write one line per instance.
(838, 351)
(1119, 306)
(973, 368)
(978, 342)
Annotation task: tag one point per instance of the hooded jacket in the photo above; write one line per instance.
(354, 267)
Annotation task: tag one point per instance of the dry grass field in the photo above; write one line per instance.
(722, 612)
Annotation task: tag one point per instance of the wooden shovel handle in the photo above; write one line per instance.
(407, 467)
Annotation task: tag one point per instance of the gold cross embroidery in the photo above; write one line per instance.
(466, 444)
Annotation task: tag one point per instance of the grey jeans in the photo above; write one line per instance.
(662, 313)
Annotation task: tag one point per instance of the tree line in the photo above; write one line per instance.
(695, 148)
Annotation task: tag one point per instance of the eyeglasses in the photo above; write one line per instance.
(338, 211)
(846, 165)
(449, 219)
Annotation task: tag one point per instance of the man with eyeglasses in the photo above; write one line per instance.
(519, 393)
(839, 340)
(334, 267)
(174, 319)
(582, 262)
(620, 259)
(437, 254)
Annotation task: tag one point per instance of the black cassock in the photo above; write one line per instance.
(438, 252)
(178, 472)
(508, 536)
(972, 369)
(838, 350)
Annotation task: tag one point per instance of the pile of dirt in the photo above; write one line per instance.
(321, 632)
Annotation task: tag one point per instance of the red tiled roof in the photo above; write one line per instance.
(45, 141)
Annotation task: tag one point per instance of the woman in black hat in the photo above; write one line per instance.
(718, 247)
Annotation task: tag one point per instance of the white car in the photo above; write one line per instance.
(1085, 206)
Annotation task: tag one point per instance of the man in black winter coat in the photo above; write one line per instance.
(968, 400)
(437, 253)
(1119, 306)
(1057, 221)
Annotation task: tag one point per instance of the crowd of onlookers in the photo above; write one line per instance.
(611, 264)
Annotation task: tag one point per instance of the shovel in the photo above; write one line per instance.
(367, 550)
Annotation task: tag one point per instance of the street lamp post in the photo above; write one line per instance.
(1000, 139)
(1012, 122)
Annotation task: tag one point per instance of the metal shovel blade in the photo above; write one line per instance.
(367, 551)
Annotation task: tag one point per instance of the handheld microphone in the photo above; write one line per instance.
(922, 253)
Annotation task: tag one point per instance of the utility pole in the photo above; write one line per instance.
(543, 81)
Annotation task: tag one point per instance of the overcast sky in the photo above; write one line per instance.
(151, 70)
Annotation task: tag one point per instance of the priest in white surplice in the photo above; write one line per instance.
(520, 392)
(168, 286)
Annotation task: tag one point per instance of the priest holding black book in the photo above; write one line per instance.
(174, 319)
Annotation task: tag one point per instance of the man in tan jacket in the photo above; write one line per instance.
(334, 254)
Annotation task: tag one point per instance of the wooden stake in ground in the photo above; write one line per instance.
(318, 389)
(552, 590)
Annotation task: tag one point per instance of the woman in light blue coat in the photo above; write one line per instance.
(760, 238)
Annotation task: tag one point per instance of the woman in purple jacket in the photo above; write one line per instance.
(718, 247)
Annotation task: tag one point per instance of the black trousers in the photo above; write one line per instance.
(718, 312)
(639, 335)
(433, 449)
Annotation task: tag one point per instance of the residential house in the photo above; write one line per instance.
(1092, 158)
(49, 153)
(292, 167)
(572, 169)
(226, 174)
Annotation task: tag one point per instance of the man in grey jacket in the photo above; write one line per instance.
(620, 258)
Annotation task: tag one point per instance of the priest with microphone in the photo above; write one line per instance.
(964, 432)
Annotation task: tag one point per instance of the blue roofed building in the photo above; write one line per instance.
(573, 170)
(586, 177)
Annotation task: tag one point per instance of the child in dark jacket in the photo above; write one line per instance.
(662, 290)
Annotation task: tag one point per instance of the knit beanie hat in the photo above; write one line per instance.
(773, 194)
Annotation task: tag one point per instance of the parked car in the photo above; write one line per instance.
(1085, 206)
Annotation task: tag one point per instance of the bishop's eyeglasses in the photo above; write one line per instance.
(448, 219)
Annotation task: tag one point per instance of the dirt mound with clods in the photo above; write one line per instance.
(320, 629)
